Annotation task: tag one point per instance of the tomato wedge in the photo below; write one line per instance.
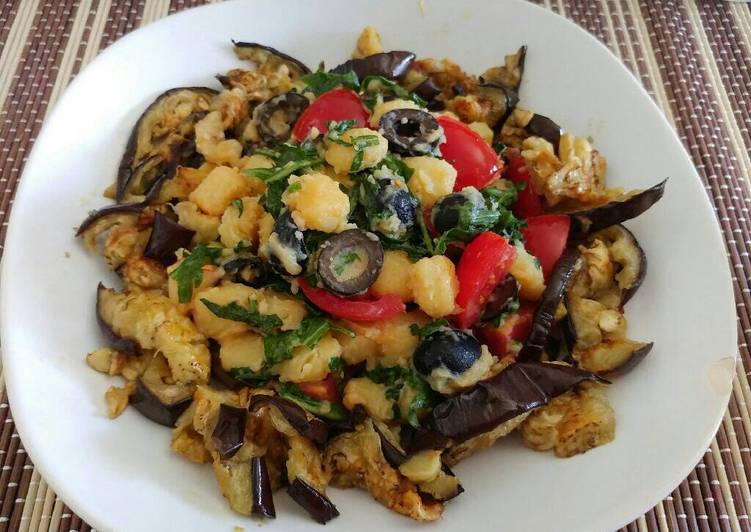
(484, 263)
(325, 390)
(527, 203)
(515, 328)
(382, 308)
(476, 163)
(545, 237)
(337, 104)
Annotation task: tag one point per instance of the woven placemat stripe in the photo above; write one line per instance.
(716, 495)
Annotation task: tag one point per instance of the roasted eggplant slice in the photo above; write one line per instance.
(350, 262)
(312, 428)
(390, 65)
(411, 131)
(160, 141)
(420, 438)
(315, 503)
(156, 406)
(261, 54)
(611, 358)
(219, 374)
(428, 90)
(104, 297)
(542, 126)
(444, 487)
(517, 389)
(587, 222)
(167, 236)
(99, 220)
(229, 431)
(499, 100)
(628, 254)
(544, 317)
(261, 492)
(510, 74)
(276, 116)
(393, 455)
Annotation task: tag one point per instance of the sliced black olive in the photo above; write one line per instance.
(517, 389)
(394, 210)
(390, 65)
(350, 262)
(261, 54)
(499, 101)
(312, 428)
(104, 298)
(286, 246)
(261, 492)
(276, 116)
(504, 294)
(244, 268)
(542, 126)
(229, 432)
(613, 213)
(153, 405)
(544, 317)
(458, 210)
(320, 508)
(453, 349)
(167, 236)
(146, 160)
(411, 131)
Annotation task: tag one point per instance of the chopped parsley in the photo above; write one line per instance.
(279, 346)
(189, 274)
(428, 329)
(398, 380)
(253, 378)
(326, 409)
(266, 323)
(320, 82)
(375, 86)
(335, 132)
(345, 260)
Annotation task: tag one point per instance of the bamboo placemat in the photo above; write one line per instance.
(693, 57)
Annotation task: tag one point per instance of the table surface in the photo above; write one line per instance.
(694, 59)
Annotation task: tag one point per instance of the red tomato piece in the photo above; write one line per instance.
(338, 104)
(382, 308)
(527, 203)
(476, 163)
(325, 390)
(515, 328)
(545, 237)
(484, 263)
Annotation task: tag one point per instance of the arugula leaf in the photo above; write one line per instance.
(271, 200)
(375, 86)
(387, 375)
(414, 251)
(294, 187)
(278, 347)
(326, 409)
(311, 330)
(427, 241)
(396, 378)
(337, 367)
(254, 378)
(342, 329)
(500, 148)
(508, 311)
(189, 274)
(428, 329)
(423, 398)
(503, 197)
(279, 172)
(320, 82)
(236, 312)
(335, 130)
(396, 165)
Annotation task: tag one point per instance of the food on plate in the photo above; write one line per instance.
(359, 277)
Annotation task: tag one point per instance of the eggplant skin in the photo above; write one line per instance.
(628, 355)
(643, 264)
(544, 317)
(152, 408)
(261, 492)
(228, 435)
(241, 46)
(114, 340)
(390, 65)
(393, 455)
(320, 508)
(166, 238)
(129, 162)
(589, 221)
(314, 429)
(110, 210)
(521, 387)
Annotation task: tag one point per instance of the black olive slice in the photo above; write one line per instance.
(453, 349)
(350, 262)
(276, 116)
(286, 246)
(411, 131)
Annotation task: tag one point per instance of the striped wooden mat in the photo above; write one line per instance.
(693, 57)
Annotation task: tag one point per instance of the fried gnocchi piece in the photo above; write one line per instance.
(317, 202)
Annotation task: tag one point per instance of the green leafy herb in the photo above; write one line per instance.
(271, 200)
(254, 378)
(335, 132)
(396, 378)
(396, 165)
(423, 398)
(503, 197)
(512, 307)
(414, 251)
(388, 375)
(294, 187)
(277, 173)
(189, 274)
(342, 329)
(345, 260)
(427, 241)
(236, 312)
(500, 148)
(428, 329)
(337, 367)
(326, 409)
(320, 82)
(375, 86)
(239, 205)
(278, 347)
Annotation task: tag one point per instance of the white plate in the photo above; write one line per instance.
(121, 474)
